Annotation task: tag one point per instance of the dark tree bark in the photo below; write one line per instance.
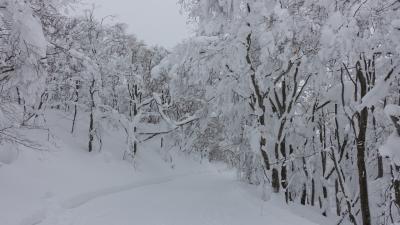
(74, 118)
(75, 107)
(275, 180)
(338, 202)
(396, 168)
(361, 151)
(312, 192)
(135, 98)
(258, 97)
(303, 198)
(91, 122)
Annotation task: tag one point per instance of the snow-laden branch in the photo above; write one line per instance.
(173, 124)
(379, 92)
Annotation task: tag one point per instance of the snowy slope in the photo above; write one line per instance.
(65, 185)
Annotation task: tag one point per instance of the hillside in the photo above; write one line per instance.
(65, 185)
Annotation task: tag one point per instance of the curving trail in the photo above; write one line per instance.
(210, 198)
(68, 186)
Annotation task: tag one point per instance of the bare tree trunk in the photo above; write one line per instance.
(258, 97)
(338, 202)
(75, 109)
(19, 97)
(303, 198)
(396, 184)
(135, 144)
(395, 169)
(341, 182)
(323, 201)
(91, 130)
(91, 122)
(361, 150)
(312, 192)
(135, 101)
(74, 118)
(284, 181)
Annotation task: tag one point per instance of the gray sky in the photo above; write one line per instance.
(154, 21)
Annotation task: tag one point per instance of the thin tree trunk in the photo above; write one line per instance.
(75, 112)
(312, 192)
(395, 169)
(396, 184)
(74, 119)
(91, 122)
(303, 198)
(259, 98)
(338, 202)
(361, 151)
(91, 128)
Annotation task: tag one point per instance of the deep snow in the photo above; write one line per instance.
(65, 185)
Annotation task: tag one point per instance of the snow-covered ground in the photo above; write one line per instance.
(65, 185)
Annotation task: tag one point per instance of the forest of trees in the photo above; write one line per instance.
(302, 97)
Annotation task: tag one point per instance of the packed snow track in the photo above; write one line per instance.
(209, 198)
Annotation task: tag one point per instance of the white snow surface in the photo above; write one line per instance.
(379, 92)
(65, 185)
(391, 146)
(396, 24)
(392, 110)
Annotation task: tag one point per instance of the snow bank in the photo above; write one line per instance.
(392, 110)
(8, 153)
(396, 24)
(391, 147)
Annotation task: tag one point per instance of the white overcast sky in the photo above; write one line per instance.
(157, 22)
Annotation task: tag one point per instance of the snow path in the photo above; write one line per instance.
(82, 199)
(205, 198)
(68, 186)
(76, 201)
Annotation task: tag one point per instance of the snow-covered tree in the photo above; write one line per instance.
(309, 79)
